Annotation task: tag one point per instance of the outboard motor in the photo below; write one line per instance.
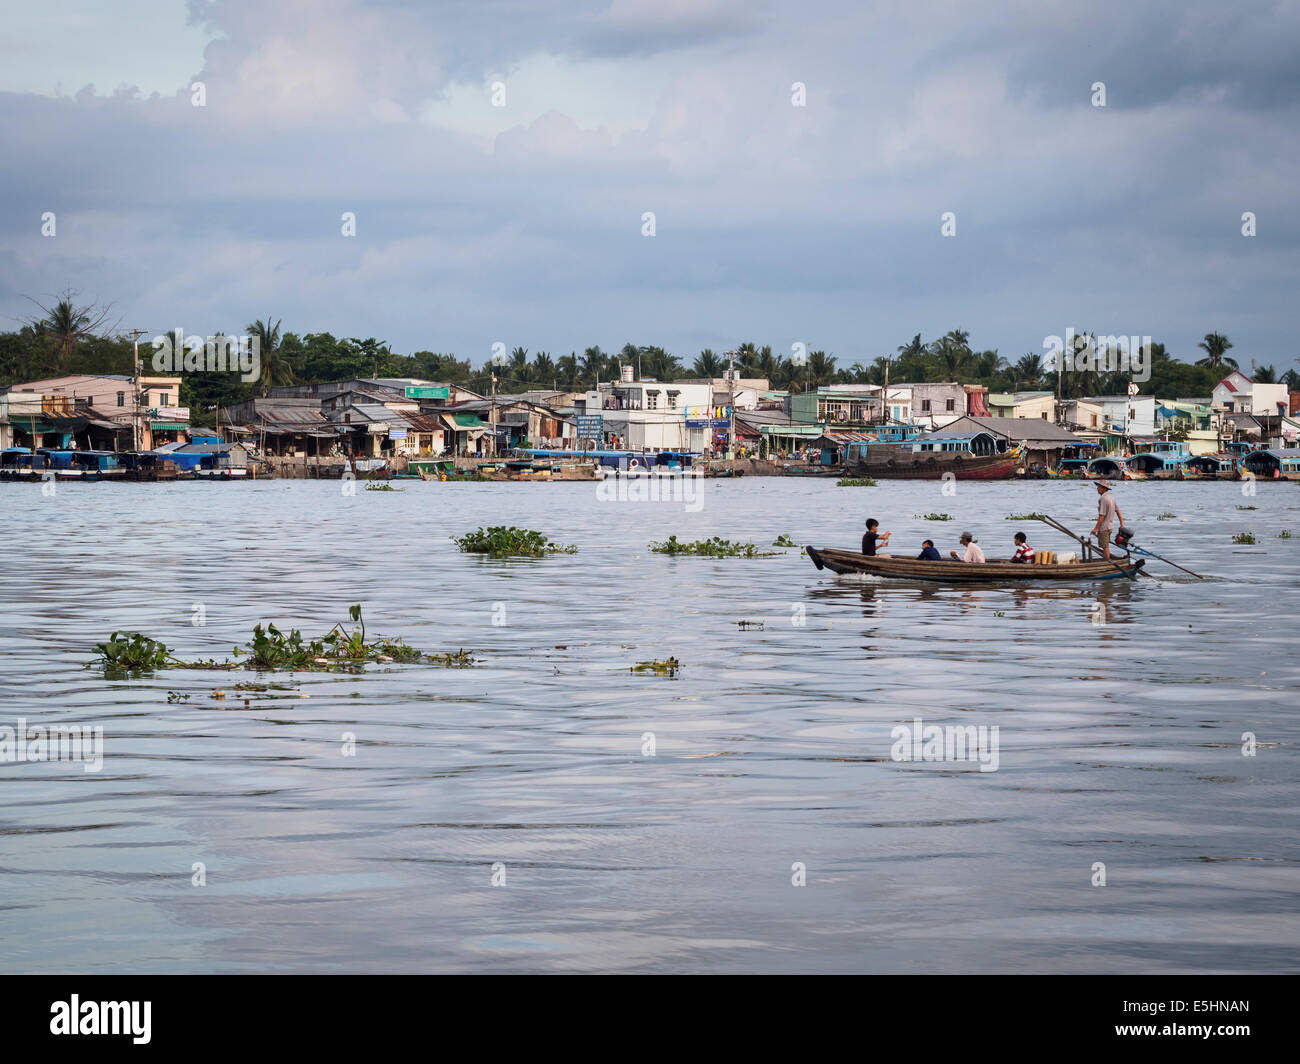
(1123, 537)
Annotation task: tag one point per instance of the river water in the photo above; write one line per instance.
(551, 810)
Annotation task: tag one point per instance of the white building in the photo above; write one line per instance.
(1127, 415)
(653, 415)
(1238, 394)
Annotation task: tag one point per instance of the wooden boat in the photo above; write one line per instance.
(953, 572)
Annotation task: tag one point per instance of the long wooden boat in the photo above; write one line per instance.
(901, 462)
(954, 572)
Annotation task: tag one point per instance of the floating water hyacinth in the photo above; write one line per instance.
(270, 648)
(501, 541)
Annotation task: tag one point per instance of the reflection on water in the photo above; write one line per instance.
(1121, 708)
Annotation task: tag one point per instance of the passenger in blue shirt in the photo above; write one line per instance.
(928, 553)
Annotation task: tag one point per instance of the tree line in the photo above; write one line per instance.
(72, 337)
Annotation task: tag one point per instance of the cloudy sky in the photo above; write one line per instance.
(776, 223)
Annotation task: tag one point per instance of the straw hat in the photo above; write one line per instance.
(1104, 484)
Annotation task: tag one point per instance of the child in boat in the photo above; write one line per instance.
(871, 537)
(928, 553)
(1024, 552)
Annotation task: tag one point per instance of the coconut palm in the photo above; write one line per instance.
(1265, 375)
(276, 367)
(707, 364)
(1029, 370)
(593, 365)
(1216, 347)
(66, 325)
(567, 367)
(543, 368)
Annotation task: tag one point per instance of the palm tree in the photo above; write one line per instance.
(543, 368)
(593, 365)
(953, 353)
(707, 364)
(1029, 370)
(747, 358)
(912, 349)
(1292, 380)
(820, 369)
(277, 368)
(567, 367)
(67, 325)
(1265, 375)
(1216, 347)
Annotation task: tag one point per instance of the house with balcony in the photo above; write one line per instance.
(149, 405)
(648, 415)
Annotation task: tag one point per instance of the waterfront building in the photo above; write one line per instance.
(1126, 417)
(648, 415)
(149, 406)
(1041, 405)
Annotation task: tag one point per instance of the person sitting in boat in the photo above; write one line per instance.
(928, 553)
(871, 537)
(1024, 552)
(974, 553)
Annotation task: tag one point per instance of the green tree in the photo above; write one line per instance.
(1216, 347)
(707, 364)
(66, 326)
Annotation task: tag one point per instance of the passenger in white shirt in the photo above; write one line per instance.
(973, 552)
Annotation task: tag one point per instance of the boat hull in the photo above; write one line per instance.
(954, 572)
(909, 465)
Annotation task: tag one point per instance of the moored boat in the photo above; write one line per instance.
(955, 572)
(978, 455)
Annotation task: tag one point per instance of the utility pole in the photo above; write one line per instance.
(135, 389)
(731, 399)
(492, 414)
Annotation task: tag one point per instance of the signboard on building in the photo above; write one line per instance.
(422, 391)
(589, 426)
(172, 413)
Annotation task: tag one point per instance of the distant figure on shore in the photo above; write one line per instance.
(973, 551)
(928, 553)
(871, 537)
(1107, 510)
(1024, 552)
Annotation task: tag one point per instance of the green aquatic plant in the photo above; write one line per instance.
(1025, 517)
(1284, 534)
(133, 652)
(1166, 516)
(746, 626)
(461, 659)
(502, 541)
(709, 548)
(1247, 507)
(658, 668)
(936, 517)
(271, 648)
(373, 486)
(784, 540)
(1244, 537)
(855, 482)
